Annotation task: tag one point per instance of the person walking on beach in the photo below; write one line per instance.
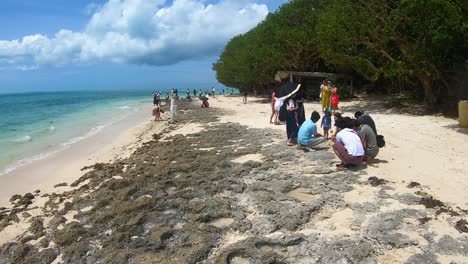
(291, 121)
(348, 146)
(245, 96)
(173, 108)
(325, 95)
(308, 136)
(334, 99)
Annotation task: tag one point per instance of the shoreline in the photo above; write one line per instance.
(221, 186)
(64, 165)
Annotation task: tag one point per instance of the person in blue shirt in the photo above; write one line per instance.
(308, 136)
(326, 123)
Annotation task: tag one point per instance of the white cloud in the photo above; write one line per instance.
(139, 32)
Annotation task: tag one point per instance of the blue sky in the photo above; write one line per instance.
(118, 44)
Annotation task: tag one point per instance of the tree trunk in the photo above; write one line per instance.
(429, 97)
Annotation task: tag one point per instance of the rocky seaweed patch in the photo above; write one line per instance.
(188, 199)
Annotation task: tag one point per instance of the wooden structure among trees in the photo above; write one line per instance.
(311, 80)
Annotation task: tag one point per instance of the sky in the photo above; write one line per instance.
(118, 44)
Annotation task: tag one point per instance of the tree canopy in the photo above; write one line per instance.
(423, 42)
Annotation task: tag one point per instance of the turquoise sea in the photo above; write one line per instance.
(34, 125)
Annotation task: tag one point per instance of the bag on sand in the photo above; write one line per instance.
(283, 113)
(380, 141)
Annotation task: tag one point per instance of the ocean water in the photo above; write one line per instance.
(34, 125)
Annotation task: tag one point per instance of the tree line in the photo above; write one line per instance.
(422, 44)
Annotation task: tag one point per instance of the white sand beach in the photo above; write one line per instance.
(429, 150)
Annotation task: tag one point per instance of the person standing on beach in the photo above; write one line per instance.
(156, 113)
(194, 92)
(213, 91)
(324, 83)
(273, 112)
(300, 98)
(325, 95)
(326, 123)
(156, 99)
(334, 99)
(245, 96)
(308, 136)
(291, 121)
(173, 108)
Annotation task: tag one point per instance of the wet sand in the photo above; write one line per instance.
(220, 186)
(116, 140)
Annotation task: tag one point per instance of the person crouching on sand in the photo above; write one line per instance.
(173, 108)
(348, 146)
(308, 136)
(368, 138)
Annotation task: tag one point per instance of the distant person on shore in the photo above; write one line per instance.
(291, 120)
(348, 146)
(274, 115)
(368, 138)
(204, 102)
(255, 92)
(157, 113)
(200, 93)
(156, 99)
(334, 99)
(173, 108)
(326, 123)
(194, 92)
(366, 120)
(166, 98)
(325, 95)
(308, 136)
(213, 91)
(245, 96)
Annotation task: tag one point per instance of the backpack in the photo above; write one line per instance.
(380, 141)
(283, 113)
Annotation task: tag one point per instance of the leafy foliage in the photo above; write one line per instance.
(420, 42)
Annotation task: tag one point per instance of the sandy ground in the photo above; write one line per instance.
(429, 150)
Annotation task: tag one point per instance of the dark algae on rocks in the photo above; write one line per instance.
(198, 198)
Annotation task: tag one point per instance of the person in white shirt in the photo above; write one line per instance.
(173, 108)
(348, 146)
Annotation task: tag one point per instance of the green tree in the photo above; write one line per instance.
(417, 40)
